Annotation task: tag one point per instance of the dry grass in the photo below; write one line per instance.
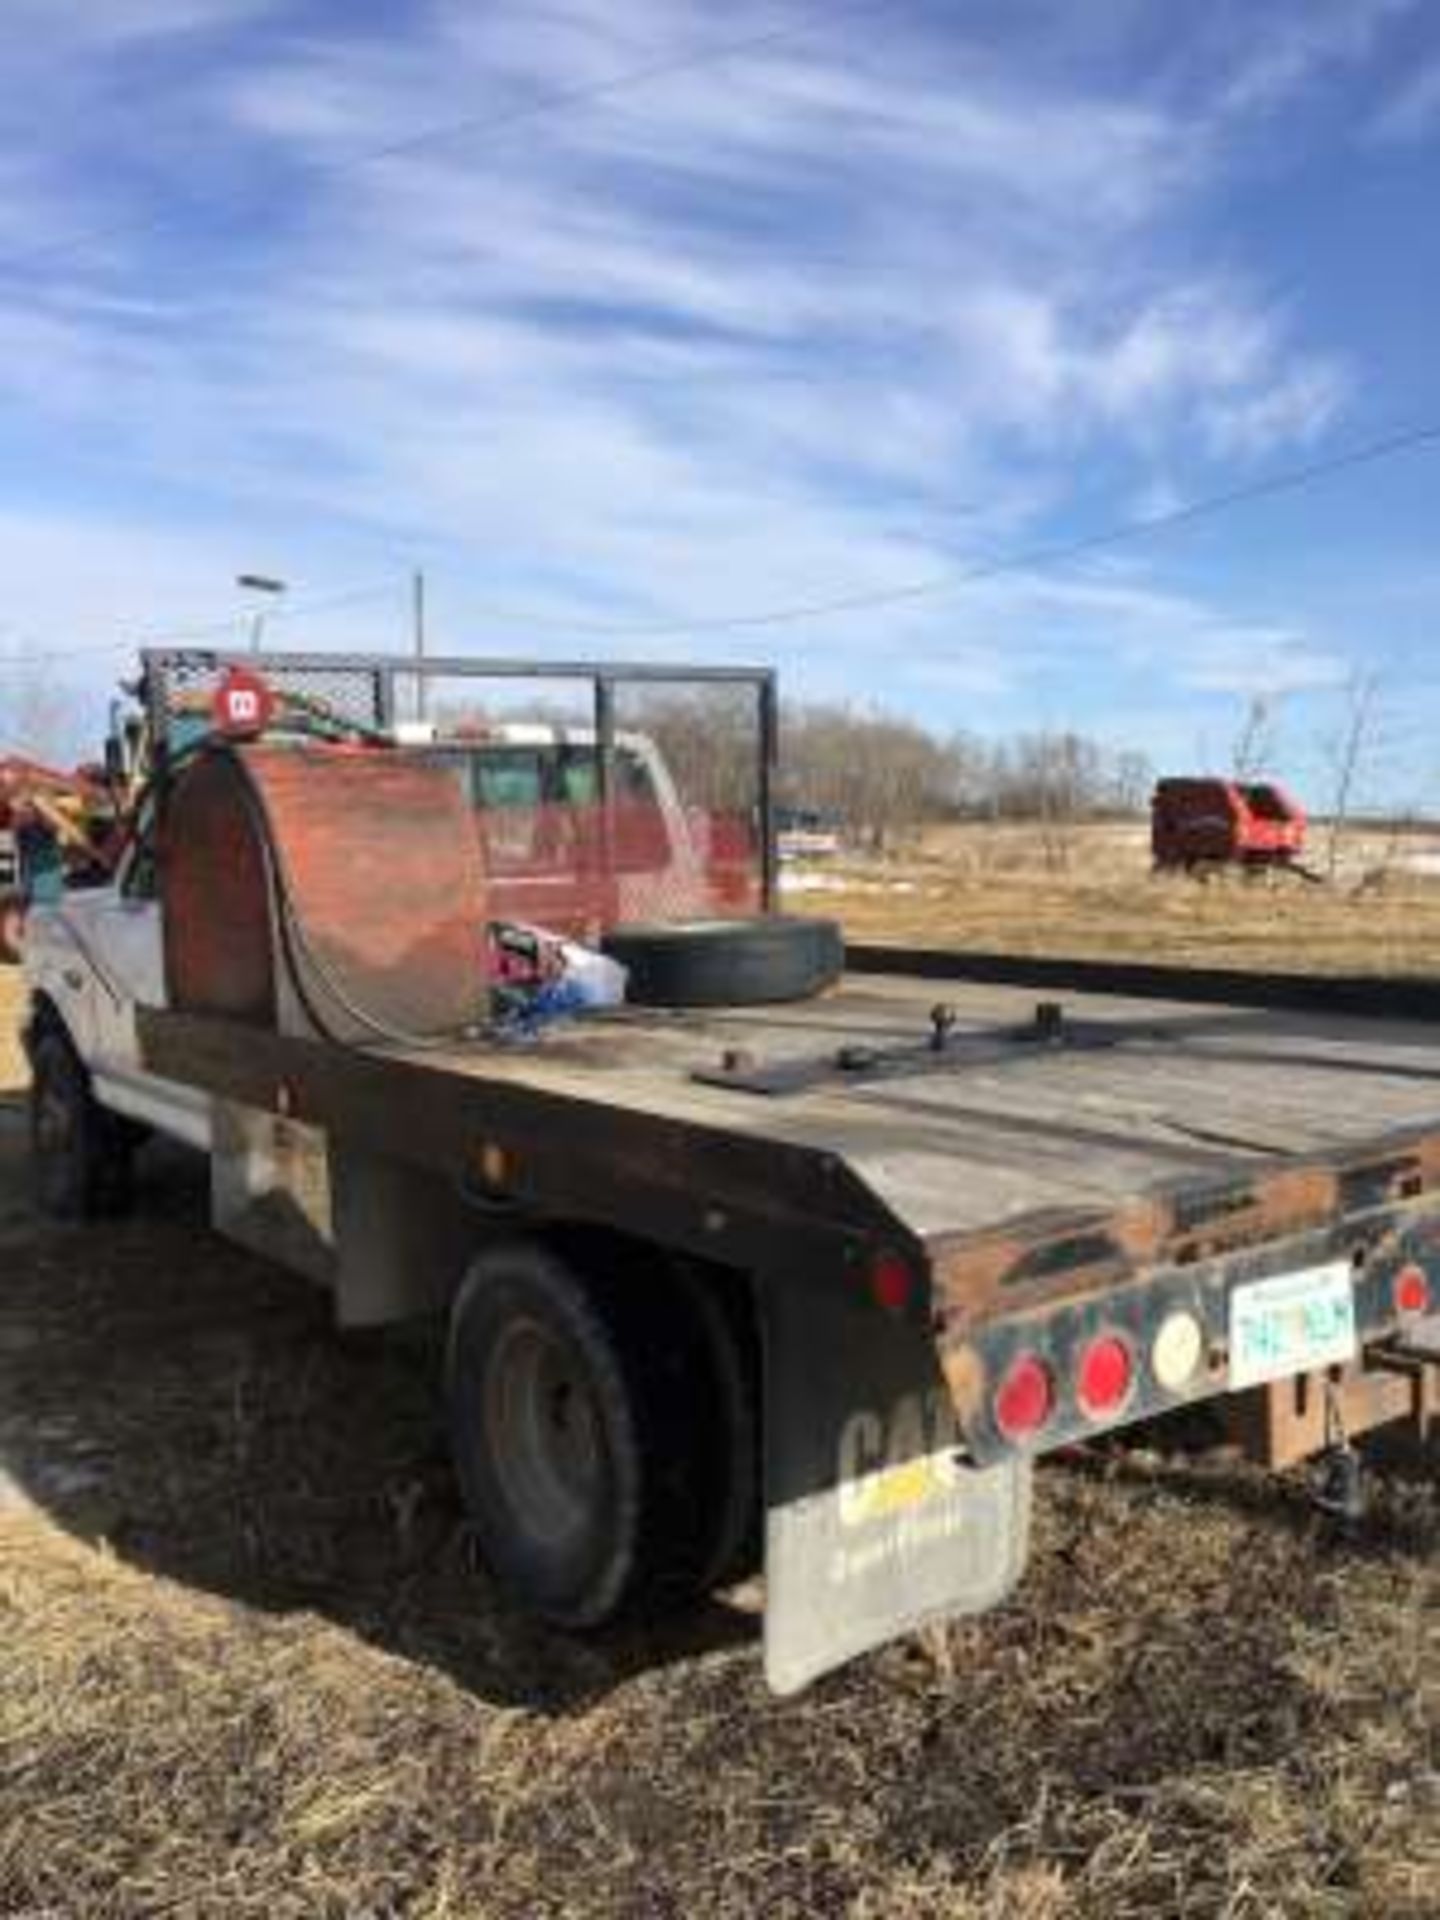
(245, 1670)
(999, 889)
(12, 1060)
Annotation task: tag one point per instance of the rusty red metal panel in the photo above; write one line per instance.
(1051, 1285)
(580, 870)
(219, 945)
(328, 889)
(1292, 1420)
(1056, 1259)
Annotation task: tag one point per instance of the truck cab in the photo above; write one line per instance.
(90, 960)
(556, 855)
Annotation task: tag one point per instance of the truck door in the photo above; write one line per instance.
(124, 926)
(117, 932)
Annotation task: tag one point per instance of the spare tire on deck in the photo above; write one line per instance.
(728, 963)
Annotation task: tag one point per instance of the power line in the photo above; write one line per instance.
(300, 610)
(176, 633)
(1290, 480)
(474, 127)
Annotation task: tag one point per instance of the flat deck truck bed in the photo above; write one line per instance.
(980, 1221)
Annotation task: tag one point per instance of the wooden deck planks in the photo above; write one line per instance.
(1191, 1092)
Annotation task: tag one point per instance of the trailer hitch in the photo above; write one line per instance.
(1337, 1484)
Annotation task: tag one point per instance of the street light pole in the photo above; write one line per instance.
(421, 704)
(259, 583)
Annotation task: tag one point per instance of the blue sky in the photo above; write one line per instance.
(913, 287)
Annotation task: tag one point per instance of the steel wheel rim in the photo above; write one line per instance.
(543, 1433)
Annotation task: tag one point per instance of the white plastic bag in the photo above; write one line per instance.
(599, 980)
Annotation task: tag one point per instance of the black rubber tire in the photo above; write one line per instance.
(12, 929)
(82, 1158)
(640, 1535)
(726, 1320)
(728, 963)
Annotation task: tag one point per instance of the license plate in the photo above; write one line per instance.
(1291, 1323)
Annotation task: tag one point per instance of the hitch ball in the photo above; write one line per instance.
(1049, 1020)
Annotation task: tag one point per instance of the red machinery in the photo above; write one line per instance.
(1201, 822)
(80, 812)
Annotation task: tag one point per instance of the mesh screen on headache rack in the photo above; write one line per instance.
(312, 694)
(601, 794)
(677, 836)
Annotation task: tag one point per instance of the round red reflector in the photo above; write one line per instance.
(1102, 1380)
(890, 1282)
(1412, 1290)
(1025, 1397)
(243, 706)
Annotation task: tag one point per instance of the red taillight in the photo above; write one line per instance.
(890, 1282)
(1102, 1379)
(1025, 1398)
(1411, 1290)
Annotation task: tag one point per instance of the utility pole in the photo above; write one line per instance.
(419, 617)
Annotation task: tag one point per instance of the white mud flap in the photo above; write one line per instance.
(875, 1523)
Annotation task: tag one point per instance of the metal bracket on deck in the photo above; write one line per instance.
(942, 1051)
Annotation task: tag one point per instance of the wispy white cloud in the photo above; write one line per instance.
(846, 312)
(1295, 410)
(1412, 111)
(94, 33)
(1292, 45)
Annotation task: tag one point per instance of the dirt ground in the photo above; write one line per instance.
(245, 1668)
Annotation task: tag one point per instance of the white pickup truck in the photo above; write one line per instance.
(90, 961)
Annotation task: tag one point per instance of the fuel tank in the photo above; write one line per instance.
(335, 892)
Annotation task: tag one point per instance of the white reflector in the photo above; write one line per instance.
(1178, 1350)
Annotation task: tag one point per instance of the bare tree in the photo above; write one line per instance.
(707, 737)
(876, 775)
(1131, 783)
(1348, 752)
(1062, 778)
(1254, 747)
(38, 719)
(879, 776)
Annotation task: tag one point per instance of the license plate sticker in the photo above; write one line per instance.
(1291, 1323)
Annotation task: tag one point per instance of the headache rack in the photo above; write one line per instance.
(368, 696)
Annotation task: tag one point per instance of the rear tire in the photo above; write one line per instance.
(81, 1156)
(725, 1317)
(580, 1435)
